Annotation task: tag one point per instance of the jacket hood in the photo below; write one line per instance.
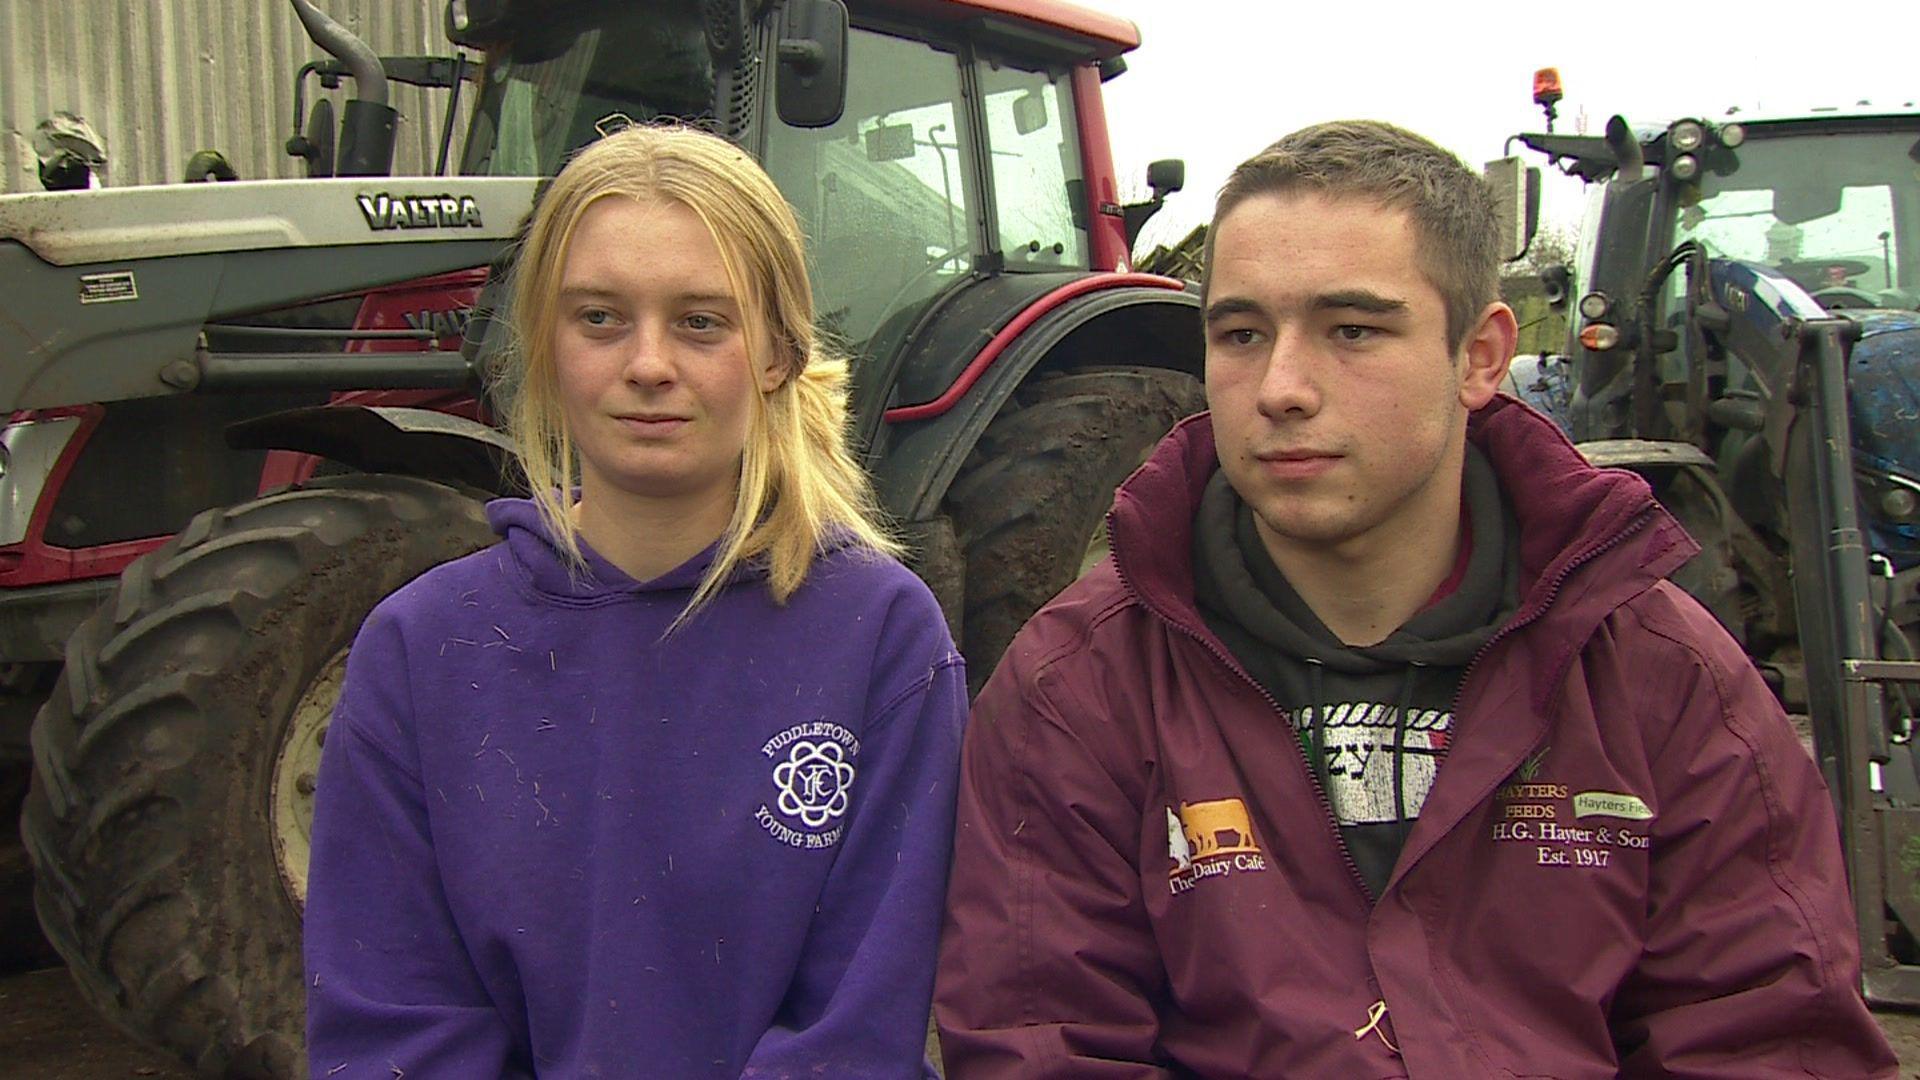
(1234, 576)
(1567, 512)
(546, 569)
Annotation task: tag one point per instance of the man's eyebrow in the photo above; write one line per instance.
(1228, 307)
(1359, 300)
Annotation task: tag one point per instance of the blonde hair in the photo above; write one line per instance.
(799, 486)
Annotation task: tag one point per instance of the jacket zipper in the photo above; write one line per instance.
(1326, 804)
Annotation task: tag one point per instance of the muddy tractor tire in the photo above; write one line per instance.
(1030, 503)
(174, 765)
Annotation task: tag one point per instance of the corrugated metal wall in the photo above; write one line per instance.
(162, 79)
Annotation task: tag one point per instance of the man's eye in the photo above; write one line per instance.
(1241, 336)
(1350, 332)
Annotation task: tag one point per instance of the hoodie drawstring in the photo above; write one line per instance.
(1399, 750)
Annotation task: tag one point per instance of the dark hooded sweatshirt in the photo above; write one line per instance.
(1627, 867)
(1373, 720)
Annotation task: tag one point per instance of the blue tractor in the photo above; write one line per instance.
(1746, 335)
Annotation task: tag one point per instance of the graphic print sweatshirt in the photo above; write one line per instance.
(1374, 720)
(550, 841)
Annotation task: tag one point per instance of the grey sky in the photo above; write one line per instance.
(1215, 80)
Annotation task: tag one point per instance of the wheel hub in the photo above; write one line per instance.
(296, 771)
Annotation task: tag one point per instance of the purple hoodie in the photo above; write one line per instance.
(549, 841)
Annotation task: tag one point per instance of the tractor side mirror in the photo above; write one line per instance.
(1556, 284)
(1166, 176)
(1797, 206)
(1029, 112)
(890, 142)
(810, 85)
(1516, 204)
(316, 143)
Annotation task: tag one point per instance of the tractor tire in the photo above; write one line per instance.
(172, 788)
(1029, 505)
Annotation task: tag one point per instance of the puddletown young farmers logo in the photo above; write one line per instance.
(384, 211)
(812, 781)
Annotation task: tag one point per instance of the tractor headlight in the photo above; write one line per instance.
(1685, 167)
(1686, 136)
(1732, 135)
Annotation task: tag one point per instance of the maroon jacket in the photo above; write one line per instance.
(1627, 865)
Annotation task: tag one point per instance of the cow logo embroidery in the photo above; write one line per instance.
(813, 776)
(1210, 839)
(1177, 847)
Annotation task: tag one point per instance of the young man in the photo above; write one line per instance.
(1382, 746)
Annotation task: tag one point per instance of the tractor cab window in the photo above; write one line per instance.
(1035, 161)
(1839, 215)
(555, 84)
(886, 194)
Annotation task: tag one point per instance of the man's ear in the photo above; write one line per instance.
(1487, 349)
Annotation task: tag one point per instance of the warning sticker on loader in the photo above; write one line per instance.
(108, 288)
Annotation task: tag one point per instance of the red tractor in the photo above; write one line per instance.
(229, 439)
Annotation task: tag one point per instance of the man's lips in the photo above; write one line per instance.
(1295, 455)
(1298, 464)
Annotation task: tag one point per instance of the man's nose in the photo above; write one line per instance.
(1290, 385)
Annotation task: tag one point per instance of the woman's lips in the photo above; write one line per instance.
(652, 426)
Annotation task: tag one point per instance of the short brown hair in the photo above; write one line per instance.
(1451, 207)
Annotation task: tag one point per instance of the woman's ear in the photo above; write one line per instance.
(777, 367)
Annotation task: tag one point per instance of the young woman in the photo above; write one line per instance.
(662, 784)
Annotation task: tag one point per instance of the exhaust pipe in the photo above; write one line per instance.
(367, 124)
(1626, 149)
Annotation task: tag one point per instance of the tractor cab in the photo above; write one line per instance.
(1828, 201)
